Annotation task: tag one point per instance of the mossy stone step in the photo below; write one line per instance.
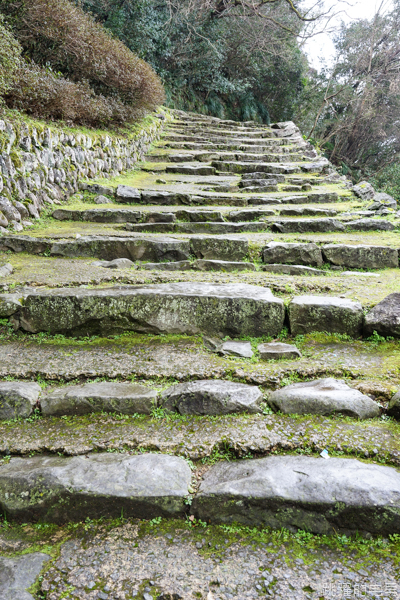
(236, 309)
(302, 492)
(244, 167)
(197, 227)
(54, 489)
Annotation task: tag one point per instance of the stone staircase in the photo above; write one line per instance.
(203, 328)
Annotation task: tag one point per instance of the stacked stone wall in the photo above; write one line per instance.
(43, 166)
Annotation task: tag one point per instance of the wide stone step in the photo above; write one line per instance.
(233, 309)
(190, 169)
(244, 167)
(198, 227)
(308, 225)
(321, 496)
(54, 489)
(157, 249)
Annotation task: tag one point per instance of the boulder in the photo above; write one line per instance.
(300, 492)
(234, 309)
(18, 399)
(363, 256)
(364, 190)
(164, 198)
(102, 200)
(23, 211)
(19, 573)
(95, 188)
(370, 225)
(384, 318)
(8, 210)
(240, 349)
(125, 193)
(106, 396)
(393, 409)
(57, 489)
(292, 254)
(385, 200)
(9, 304)
(220, 248)
(323, 397)
(214, 397)
(278, 351)
(118, 263)
(222, 265)
(326, 314)
(293, 270)
(307, 226)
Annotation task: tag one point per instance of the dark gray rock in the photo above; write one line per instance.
(385, 200)
(222, 265)
(325, 313)
(6, 270)
(3, 220)
(102, 200)
(321, 496)
(214, 397)
(9, 304)
(292, 254)
(362, 257)
(393, 409)
(240, 349)
(18, 399)
(136, 248)
(8, 210)
(370, 225)
(99, 215)
(323, 397)
(58, 490)
(278, 351)
(263, 201)
(197, 215)
(308, 225)
(18, 573)
(295, 270)
(384, 318)
(118, 263)
(164, 198)
(220, 248)
(159, 217)
(25, 243)
(180, 265)
(364, 190)
(122, 398)
(249, 215)
(125, 193)
(307, 210)
(234, 309)
(322, 197)
(95, 188)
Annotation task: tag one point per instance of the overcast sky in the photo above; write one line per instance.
(320, 48)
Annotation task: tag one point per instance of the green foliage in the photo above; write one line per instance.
(388, 180)
(10, 57)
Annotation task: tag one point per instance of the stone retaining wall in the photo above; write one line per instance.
(39, 167)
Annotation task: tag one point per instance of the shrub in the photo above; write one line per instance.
(42, 93)
(10, 53)
(58, 33)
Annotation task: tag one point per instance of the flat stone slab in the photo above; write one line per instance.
(307, 210)
(196, 215)
(55, 489)
(240, 349)
(164, 198)
(98, 215)
(370, 225)
(325, 313)
(18, 399)
(361, 257)
(222, 265)
(323, 397)
(308, 226)
(293, 270)
(18, 573)
(105, 396)
(228, 309)
(232, 249)
(214, 397)
(292, 254)
(249, 215)
(321, 496)
(125, 193)
(180, 265)
(384, 318)
(197, 227)
(118, 263)
(190, 169)
(6, 270)
(278, 351)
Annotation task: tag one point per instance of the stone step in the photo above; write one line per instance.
(191, 169)
(307, 225)
(232, 309)
(293, 270)
(206, 157)
(302, 492)
(197, 227)
(54, 489)
(157, 249)
(244, 167)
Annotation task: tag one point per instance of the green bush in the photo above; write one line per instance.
(10, 57)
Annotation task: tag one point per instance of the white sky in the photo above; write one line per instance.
(320, 48)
